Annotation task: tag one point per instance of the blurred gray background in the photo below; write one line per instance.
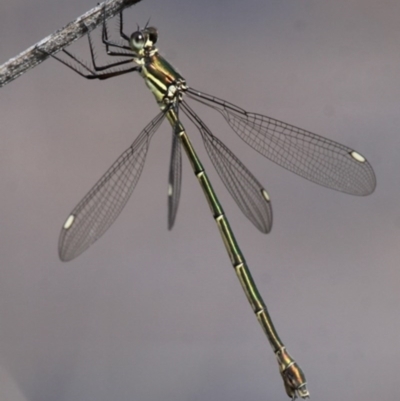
(146, 314)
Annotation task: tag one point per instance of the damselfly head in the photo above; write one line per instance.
(143, 40)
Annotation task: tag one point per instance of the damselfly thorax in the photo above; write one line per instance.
(160, 76)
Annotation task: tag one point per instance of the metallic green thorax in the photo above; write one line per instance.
(161, 78)
(168, 87)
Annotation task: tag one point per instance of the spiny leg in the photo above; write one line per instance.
(108, 43)
(92, 73)
(121, 26)
(104, 67)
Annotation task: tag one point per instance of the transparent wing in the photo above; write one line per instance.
(101, 206)
(175, 180)
(311, 156)
(248, 193)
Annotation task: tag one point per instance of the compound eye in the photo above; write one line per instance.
(137, 40)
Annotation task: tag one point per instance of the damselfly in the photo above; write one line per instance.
(313, 157)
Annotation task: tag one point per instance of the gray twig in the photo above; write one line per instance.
(53, 43)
